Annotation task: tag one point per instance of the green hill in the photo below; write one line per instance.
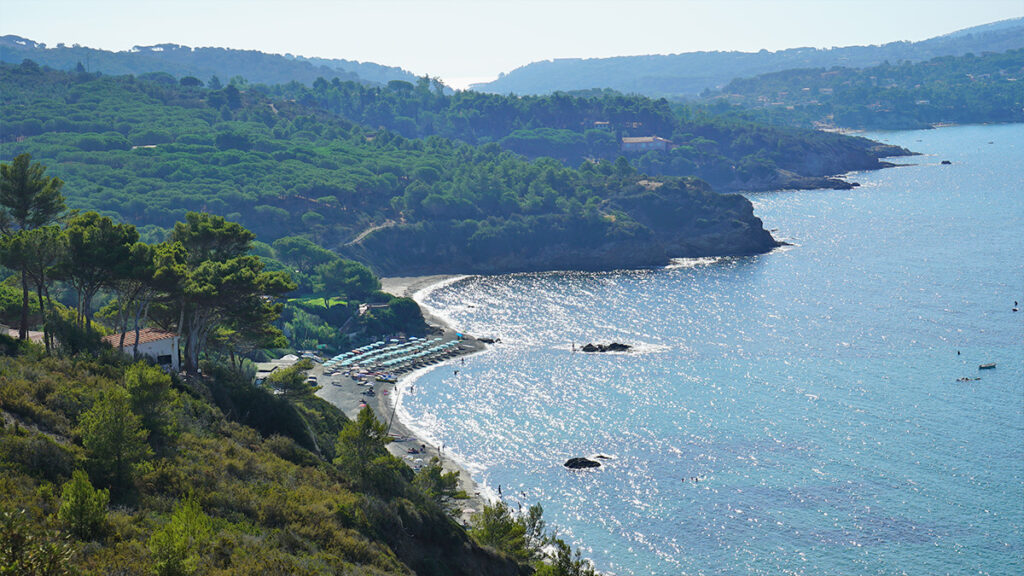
(950, 89)
(730, 153)
(106, 468)
(201, 63)
(149, 150)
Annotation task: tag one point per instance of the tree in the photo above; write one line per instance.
(149, 391)
(223, 285)
(562, 561)
(208, 237)
(346, 277)
(131, 286)
(83, 508)
(435, 483)
(166, 285)
(114, 440)
(362, 454)
(28, 199)
(535, 537)
(235, 292)
(35, 252)
(99, 253)
(292, 381)
(496, 526)
(178, 546)
(302, 253)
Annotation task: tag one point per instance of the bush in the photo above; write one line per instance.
(37, 454)
(178, 546)
(28, 549)
(83, 509)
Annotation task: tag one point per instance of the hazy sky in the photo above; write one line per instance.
(462, 41)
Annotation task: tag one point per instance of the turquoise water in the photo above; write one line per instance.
(811, 392)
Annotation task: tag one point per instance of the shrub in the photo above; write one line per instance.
(83, 508)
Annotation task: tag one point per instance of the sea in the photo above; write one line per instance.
(815, 410)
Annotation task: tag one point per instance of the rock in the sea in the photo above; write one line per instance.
(581, 463)
(613, 347)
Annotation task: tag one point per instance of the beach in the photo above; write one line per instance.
(346, 393)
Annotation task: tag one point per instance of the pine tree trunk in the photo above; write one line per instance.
(141, 310)
(23, 330)
(42, 314)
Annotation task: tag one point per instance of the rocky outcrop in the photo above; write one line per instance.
(613, 347)
(637, 227)
(581, 463)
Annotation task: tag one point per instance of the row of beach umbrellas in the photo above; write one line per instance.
(377, 353)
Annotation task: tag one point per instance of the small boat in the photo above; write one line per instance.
(988, 366)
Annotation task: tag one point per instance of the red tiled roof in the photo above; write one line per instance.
(145, 335)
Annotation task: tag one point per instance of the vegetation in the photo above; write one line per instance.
(171, 63)
(950, 89)
(29, 200)
(204, 277)
(194, 489)
(203, 281)
(689, 74)
(213, 497)
(728, 153)
(282, 169)
(201, 493)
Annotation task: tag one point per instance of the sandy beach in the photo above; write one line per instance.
(347, 393)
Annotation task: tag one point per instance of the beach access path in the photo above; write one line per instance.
(346, 394)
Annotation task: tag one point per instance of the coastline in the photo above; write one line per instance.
(346, 394)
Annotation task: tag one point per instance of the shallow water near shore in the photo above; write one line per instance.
(792, 413)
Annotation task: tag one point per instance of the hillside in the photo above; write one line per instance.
(731, 154)
(689, 74)
(950, 89)
(201, 63)
(149, 151)
(107, 468)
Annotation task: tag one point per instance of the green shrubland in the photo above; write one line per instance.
(192, 490)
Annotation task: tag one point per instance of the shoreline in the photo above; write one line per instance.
(345, 393)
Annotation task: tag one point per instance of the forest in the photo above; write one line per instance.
(206, 62)
(207, 280)
(151, 149)
(727, 151)
(950, 89)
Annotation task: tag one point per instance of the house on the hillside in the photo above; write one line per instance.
(265, 369)
(159, 345)
(640, 144)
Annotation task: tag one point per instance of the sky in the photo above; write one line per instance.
(464, 41)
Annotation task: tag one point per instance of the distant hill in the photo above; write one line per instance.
(202, 63)
(691, 73)
(951, 89)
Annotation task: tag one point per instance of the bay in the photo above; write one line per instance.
(797, 412)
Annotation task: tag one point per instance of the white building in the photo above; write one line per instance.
(161, 346)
